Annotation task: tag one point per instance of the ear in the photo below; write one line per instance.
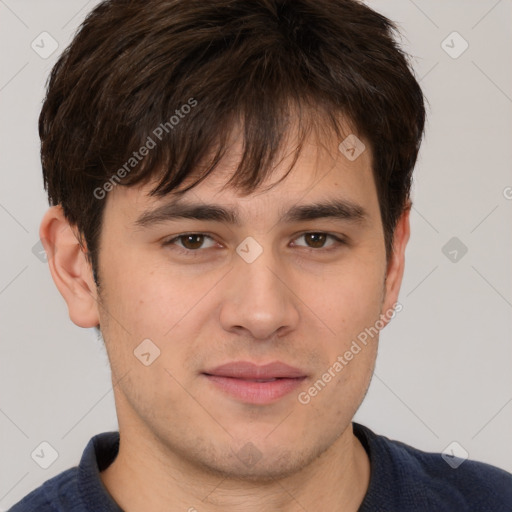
(396, 265)
(69, 267)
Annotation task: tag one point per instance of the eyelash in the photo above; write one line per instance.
(195, 252)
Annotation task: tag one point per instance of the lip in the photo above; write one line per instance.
(238, 379)
(247, 370)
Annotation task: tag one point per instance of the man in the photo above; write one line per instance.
(229, 183)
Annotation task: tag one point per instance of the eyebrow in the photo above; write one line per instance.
(335, 209)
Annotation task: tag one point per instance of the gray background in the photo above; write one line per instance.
(444, 371)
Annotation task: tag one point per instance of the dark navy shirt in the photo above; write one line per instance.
(402, 479)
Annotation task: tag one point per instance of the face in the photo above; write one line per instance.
(206, 292)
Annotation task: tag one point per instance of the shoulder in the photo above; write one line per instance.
(408, 477)
(53, 495)
(78, 489)
(471, 485)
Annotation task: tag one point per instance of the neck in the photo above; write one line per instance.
(148, 475)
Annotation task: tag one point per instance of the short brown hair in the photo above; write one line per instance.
(134, 65)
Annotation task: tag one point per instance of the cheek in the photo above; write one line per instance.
(347, 298)
(137, 293)
(151, 298)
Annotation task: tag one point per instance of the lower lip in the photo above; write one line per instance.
(256, 392)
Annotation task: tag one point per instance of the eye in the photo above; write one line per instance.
(316, 240)
(189, 241)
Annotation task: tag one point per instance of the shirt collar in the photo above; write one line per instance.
(99, 453)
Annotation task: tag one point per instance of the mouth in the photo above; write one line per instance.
(250, 383)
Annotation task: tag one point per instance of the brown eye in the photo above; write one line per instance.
(317, 240)
(191, 242)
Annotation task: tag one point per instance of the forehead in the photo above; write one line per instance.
(324, 170)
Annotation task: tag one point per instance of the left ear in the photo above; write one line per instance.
(396, 265)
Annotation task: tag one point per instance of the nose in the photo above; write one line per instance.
(260, 299)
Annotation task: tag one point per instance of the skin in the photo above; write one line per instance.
(179, 434)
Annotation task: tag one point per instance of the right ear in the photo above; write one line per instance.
(69, 267)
